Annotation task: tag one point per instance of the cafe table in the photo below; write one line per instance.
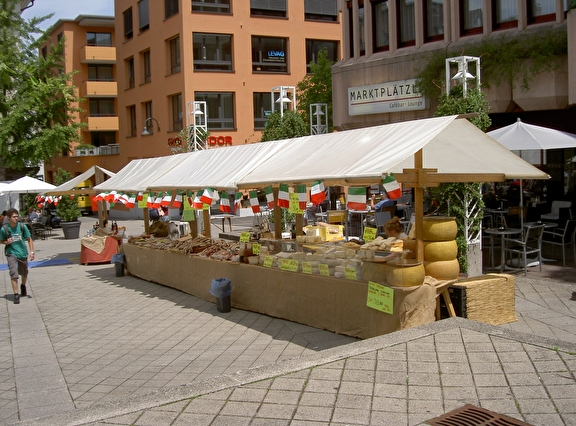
(498, 216)
(503, 232)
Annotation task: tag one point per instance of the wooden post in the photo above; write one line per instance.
(207, 223)
(277, 217)
(419, 208)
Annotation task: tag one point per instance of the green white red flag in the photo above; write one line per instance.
(149, 200)
(197, 203)
(301, 190)
(177, 203)
(269, 196)
(225, 203)
(207, 196)
(254, 201)
(317, 192)
(392, 187)
(237, 201)
(283, 196)
(166, 199)
(356, 198)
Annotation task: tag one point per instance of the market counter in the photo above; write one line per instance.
(333, 304)
(97, 249)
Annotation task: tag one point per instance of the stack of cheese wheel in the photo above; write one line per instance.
(440, 248)
(405, 273)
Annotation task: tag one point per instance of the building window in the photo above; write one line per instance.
(129, 73)
(146, 67)
(212, 52)
(170, 8)
(361, 29)
(381, 26)
(220, 109)
(504, 14)
(434, 20)
(102, 107)
(148, 124)
(174, 49)
(44, 51)
(471, 19)
(100, 73)
(313, 48)
(128, 24)
(262, 109)
(351, 27)
(99, 39)
(102, 138)
(270, 8)
(541, 11)
(176, 103)
(143, 15)
(406, 23)
(211, 6)
(131, 112)
(269, 54)
(321, 10)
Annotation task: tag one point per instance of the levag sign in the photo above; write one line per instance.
(380, 98)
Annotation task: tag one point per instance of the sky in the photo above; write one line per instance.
(68, 9)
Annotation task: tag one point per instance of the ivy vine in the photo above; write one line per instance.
(503, 59)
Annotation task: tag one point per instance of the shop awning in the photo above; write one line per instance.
(68, 188)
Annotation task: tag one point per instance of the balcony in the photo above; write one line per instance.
(99, 89)
(102, 124)
(98, 55)
(111, 149)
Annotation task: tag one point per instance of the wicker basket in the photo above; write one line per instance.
(439, 228)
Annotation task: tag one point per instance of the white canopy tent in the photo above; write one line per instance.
(28, 185)
(68, 188)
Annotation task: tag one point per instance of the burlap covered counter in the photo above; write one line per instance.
(337, 305)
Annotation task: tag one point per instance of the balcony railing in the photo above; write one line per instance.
(99, 89)
(98, 54)
(111, 149)
(101, 124)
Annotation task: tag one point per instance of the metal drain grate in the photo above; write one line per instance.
(470, 415)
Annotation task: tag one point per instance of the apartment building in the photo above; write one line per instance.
(90, 52)
(215, 61)
(386, 43)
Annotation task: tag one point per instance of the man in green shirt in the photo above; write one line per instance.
(13, 235)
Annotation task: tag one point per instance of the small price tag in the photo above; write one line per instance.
(369, 234)
(380, 297)
(256, 248)
(350, 273)
(289, 265)
(323, 269)
(268, 261)
(306, 267)
(245, 237)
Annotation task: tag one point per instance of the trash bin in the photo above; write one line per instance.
(221, 288)
(118, 260)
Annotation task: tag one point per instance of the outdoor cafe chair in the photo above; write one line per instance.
(563, 237)
(529, 244)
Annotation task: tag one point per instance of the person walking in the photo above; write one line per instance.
(13, 235)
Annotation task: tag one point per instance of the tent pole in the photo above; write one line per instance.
(419, 208)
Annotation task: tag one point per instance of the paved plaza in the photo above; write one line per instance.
(89, 348)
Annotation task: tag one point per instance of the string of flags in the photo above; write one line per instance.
(356, 199)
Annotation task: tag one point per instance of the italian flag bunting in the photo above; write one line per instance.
(140, 196)
(190, 197)
(392, 187)
(131, 201)
(237, 201)
(301, 190)
(150, 200)
(269, 196)
(177, 203)
(197, 203)
(283, 196)
(318, 192)
(166, 199)
(254, 201)
(158, 200)
(356, 198)
(207, 196)
(123, 198)
(225, 204)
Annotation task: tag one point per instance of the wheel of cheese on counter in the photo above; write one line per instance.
(443, 269)
(440, 250)
(404, 275)
(439, 228)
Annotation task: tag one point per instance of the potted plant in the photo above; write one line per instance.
(68, 209)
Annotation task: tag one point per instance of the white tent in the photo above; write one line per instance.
(521, 136)
(28, 185)
(67, 188)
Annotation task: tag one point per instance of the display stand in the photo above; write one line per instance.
(88, 255)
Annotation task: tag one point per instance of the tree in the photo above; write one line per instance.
(290, 125)
(316, 88)
(37, 100)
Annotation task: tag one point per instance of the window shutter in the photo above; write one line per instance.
(321, 7)
(268, 4)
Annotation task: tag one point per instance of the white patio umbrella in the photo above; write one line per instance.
(28, 185)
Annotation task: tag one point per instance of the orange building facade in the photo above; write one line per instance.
(229, 57)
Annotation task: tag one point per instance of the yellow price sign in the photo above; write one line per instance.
(294, 206)
(380, 297)
(268, 261)
(245, 237)
(350, 273)
(324, 269)
(369, 234)
(143, 202)
(256, 248)
(307, 267)
(289, 265)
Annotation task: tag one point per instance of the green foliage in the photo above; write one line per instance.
(475, 101)
(67, 208)
(290, 125)
(316, 88)
(37, 99)
(511, 60)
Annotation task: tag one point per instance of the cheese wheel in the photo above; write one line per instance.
(443, 269)
(439, 228)
(405, 276)
(440, 250)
